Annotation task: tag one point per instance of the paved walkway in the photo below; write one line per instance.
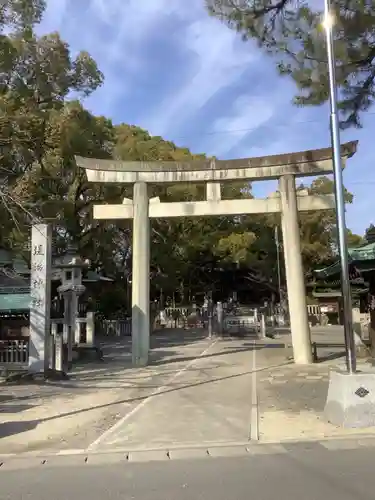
(208, 400)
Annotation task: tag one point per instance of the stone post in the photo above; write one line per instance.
(76, 326)
(220, 318)
(59, 352)
(262, 326)
(299, 323)
(68, 335)
(40, 306)
(141, 276)
(256, 315)
(90, 329)
(52, 347)
(77, 331)
(68, 327)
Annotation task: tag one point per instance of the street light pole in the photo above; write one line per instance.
(339, 193)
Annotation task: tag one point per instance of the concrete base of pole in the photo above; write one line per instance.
(351, 399)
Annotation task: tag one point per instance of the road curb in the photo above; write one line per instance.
(83, 457)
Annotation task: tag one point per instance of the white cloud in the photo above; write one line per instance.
(130, 22)
(112, 31)
(219, 61)
(248, 113)
(115, 31)
(129, 12)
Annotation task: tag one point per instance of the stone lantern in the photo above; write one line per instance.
(71, 266)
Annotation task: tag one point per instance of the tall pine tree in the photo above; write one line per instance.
(292, 30)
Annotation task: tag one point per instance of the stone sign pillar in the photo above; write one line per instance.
(299, 322)
(141, 276)
(40, 305)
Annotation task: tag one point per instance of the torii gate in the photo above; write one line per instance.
(284, 167)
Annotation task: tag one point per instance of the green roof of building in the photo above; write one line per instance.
(12, 302)
(329, 292)
(11, 283)
(363, 258)
(5, 257)
(19, 264)
(366, 252)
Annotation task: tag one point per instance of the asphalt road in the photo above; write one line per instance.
(308, 474)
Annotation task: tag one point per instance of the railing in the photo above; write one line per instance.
(181, 317)
(313, 309)
(169, 318)
(177, 312)
(114, 327)
(14, 353)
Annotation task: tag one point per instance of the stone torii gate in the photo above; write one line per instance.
(212, 172)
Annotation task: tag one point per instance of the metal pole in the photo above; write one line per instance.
(339, 193)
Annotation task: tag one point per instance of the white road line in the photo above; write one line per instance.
(143, 403)
(254, 425)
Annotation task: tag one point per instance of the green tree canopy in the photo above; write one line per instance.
(38, 74)
(370, 233)
(354, 240)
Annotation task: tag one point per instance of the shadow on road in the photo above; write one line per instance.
(11, 428)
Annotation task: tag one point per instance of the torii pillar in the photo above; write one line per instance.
(213, 172)
(141, 275)
(299, 320)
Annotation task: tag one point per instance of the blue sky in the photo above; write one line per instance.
(178, 73)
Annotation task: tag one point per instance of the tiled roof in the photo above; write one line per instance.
(11, 281)
(357, 256)
(367, 252)
(14, 302)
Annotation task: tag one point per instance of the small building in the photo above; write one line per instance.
(14, 297)
(362, 280)
(329, 298)
(15, 294)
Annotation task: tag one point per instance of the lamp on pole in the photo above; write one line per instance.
(339, 192)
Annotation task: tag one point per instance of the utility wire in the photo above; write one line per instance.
(256, 127)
